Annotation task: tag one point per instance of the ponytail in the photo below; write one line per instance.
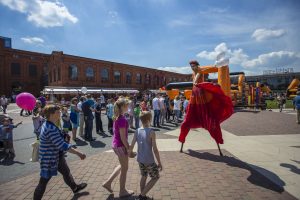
(118, 107)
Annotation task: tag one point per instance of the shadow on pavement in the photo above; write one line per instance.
(5, 161)
(81, 194)
(292, 168)
(255, 178)
(296, 146)
(80, 142)
(111, 197)
(296, 161)
(97, 144)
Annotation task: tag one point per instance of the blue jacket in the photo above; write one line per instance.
(51, 144)
(296, 102)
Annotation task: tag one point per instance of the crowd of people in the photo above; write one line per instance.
(57, 127)
(53, 141)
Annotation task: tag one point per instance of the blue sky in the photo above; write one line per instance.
(165, 34)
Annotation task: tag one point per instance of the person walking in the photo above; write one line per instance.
(146, 140)
(110, 114)
(4, 103)
(52, 147)
(177, 108)
(121, 147)
(163, 110)
(296, 103)
(98, 121)
(88, 109)
(156, 109)
(81, 116)
(74, 117)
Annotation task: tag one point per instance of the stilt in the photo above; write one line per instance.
(181, 148)
(221, 154)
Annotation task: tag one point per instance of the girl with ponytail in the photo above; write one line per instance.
(120, 146)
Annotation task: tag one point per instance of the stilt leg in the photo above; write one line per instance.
(221, 154)
(181, 148)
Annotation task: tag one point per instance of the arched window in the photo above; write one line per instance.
(138, 78)
(104, 75)
(128, 78)
(117, 77)
(73, 72)
(89, 73)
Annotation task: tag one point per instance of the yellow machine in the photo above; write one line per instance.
(292, 89)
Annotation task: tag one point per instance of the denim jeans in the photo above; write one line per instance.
(156, 118)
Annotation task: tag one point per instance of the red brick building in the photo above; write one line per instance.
(32, 71)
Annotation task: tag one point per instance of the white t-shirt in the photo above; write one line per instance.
(102, 99)
(79, 106)
(177, 104)
(155, 104)
(162, 103)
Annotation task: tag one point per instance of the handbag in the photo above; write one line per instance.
(35, 151)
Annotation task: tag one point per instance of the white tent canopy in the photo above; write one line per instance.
(69, 90)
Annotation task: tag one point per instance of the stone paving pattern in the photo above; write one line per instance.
(191, 175)
(247, 122)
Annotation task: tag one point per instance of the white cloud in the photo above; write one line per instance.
(182, 70)
(42, 13)
(274, 60)
(265, 61)
(32, 40)
(236, 56)
(18, 5)
(265, 34)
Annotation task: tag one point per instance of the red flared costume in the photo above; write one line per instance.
(208, 108)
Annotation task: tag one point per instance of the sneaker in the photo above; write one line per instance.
(79, 187)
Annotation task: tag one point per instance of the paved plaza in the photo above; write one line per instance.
(257, 164)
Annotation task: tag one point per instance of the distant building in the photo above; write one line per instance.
(276, 82)
(32, 71)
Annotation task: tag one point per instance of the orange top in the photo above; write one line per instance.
(204, 70)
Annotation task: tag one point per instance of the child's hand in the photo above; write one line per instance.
(160, 167)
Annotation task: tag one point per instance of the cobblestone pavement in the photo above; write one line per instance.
(190, 175)
(247, 122)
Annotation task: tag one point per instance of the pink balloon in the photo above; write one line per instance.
(26, 101)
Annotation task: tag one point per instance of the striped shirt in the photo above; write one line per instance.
(51, 144)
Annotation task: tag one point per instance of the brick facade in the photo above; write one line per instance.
(21, 70)
(31, 71)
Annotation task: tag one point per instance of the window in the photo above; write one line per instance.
(157, 80)
(54, 75)
(170, 79)
(138, 79)
(128, 78)
(104, 75)
(73, 72)
(58, 74)
(117, 77)
(15, 69)
(148, 79)
(89, 73)
(50, 77)
(32, 71)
